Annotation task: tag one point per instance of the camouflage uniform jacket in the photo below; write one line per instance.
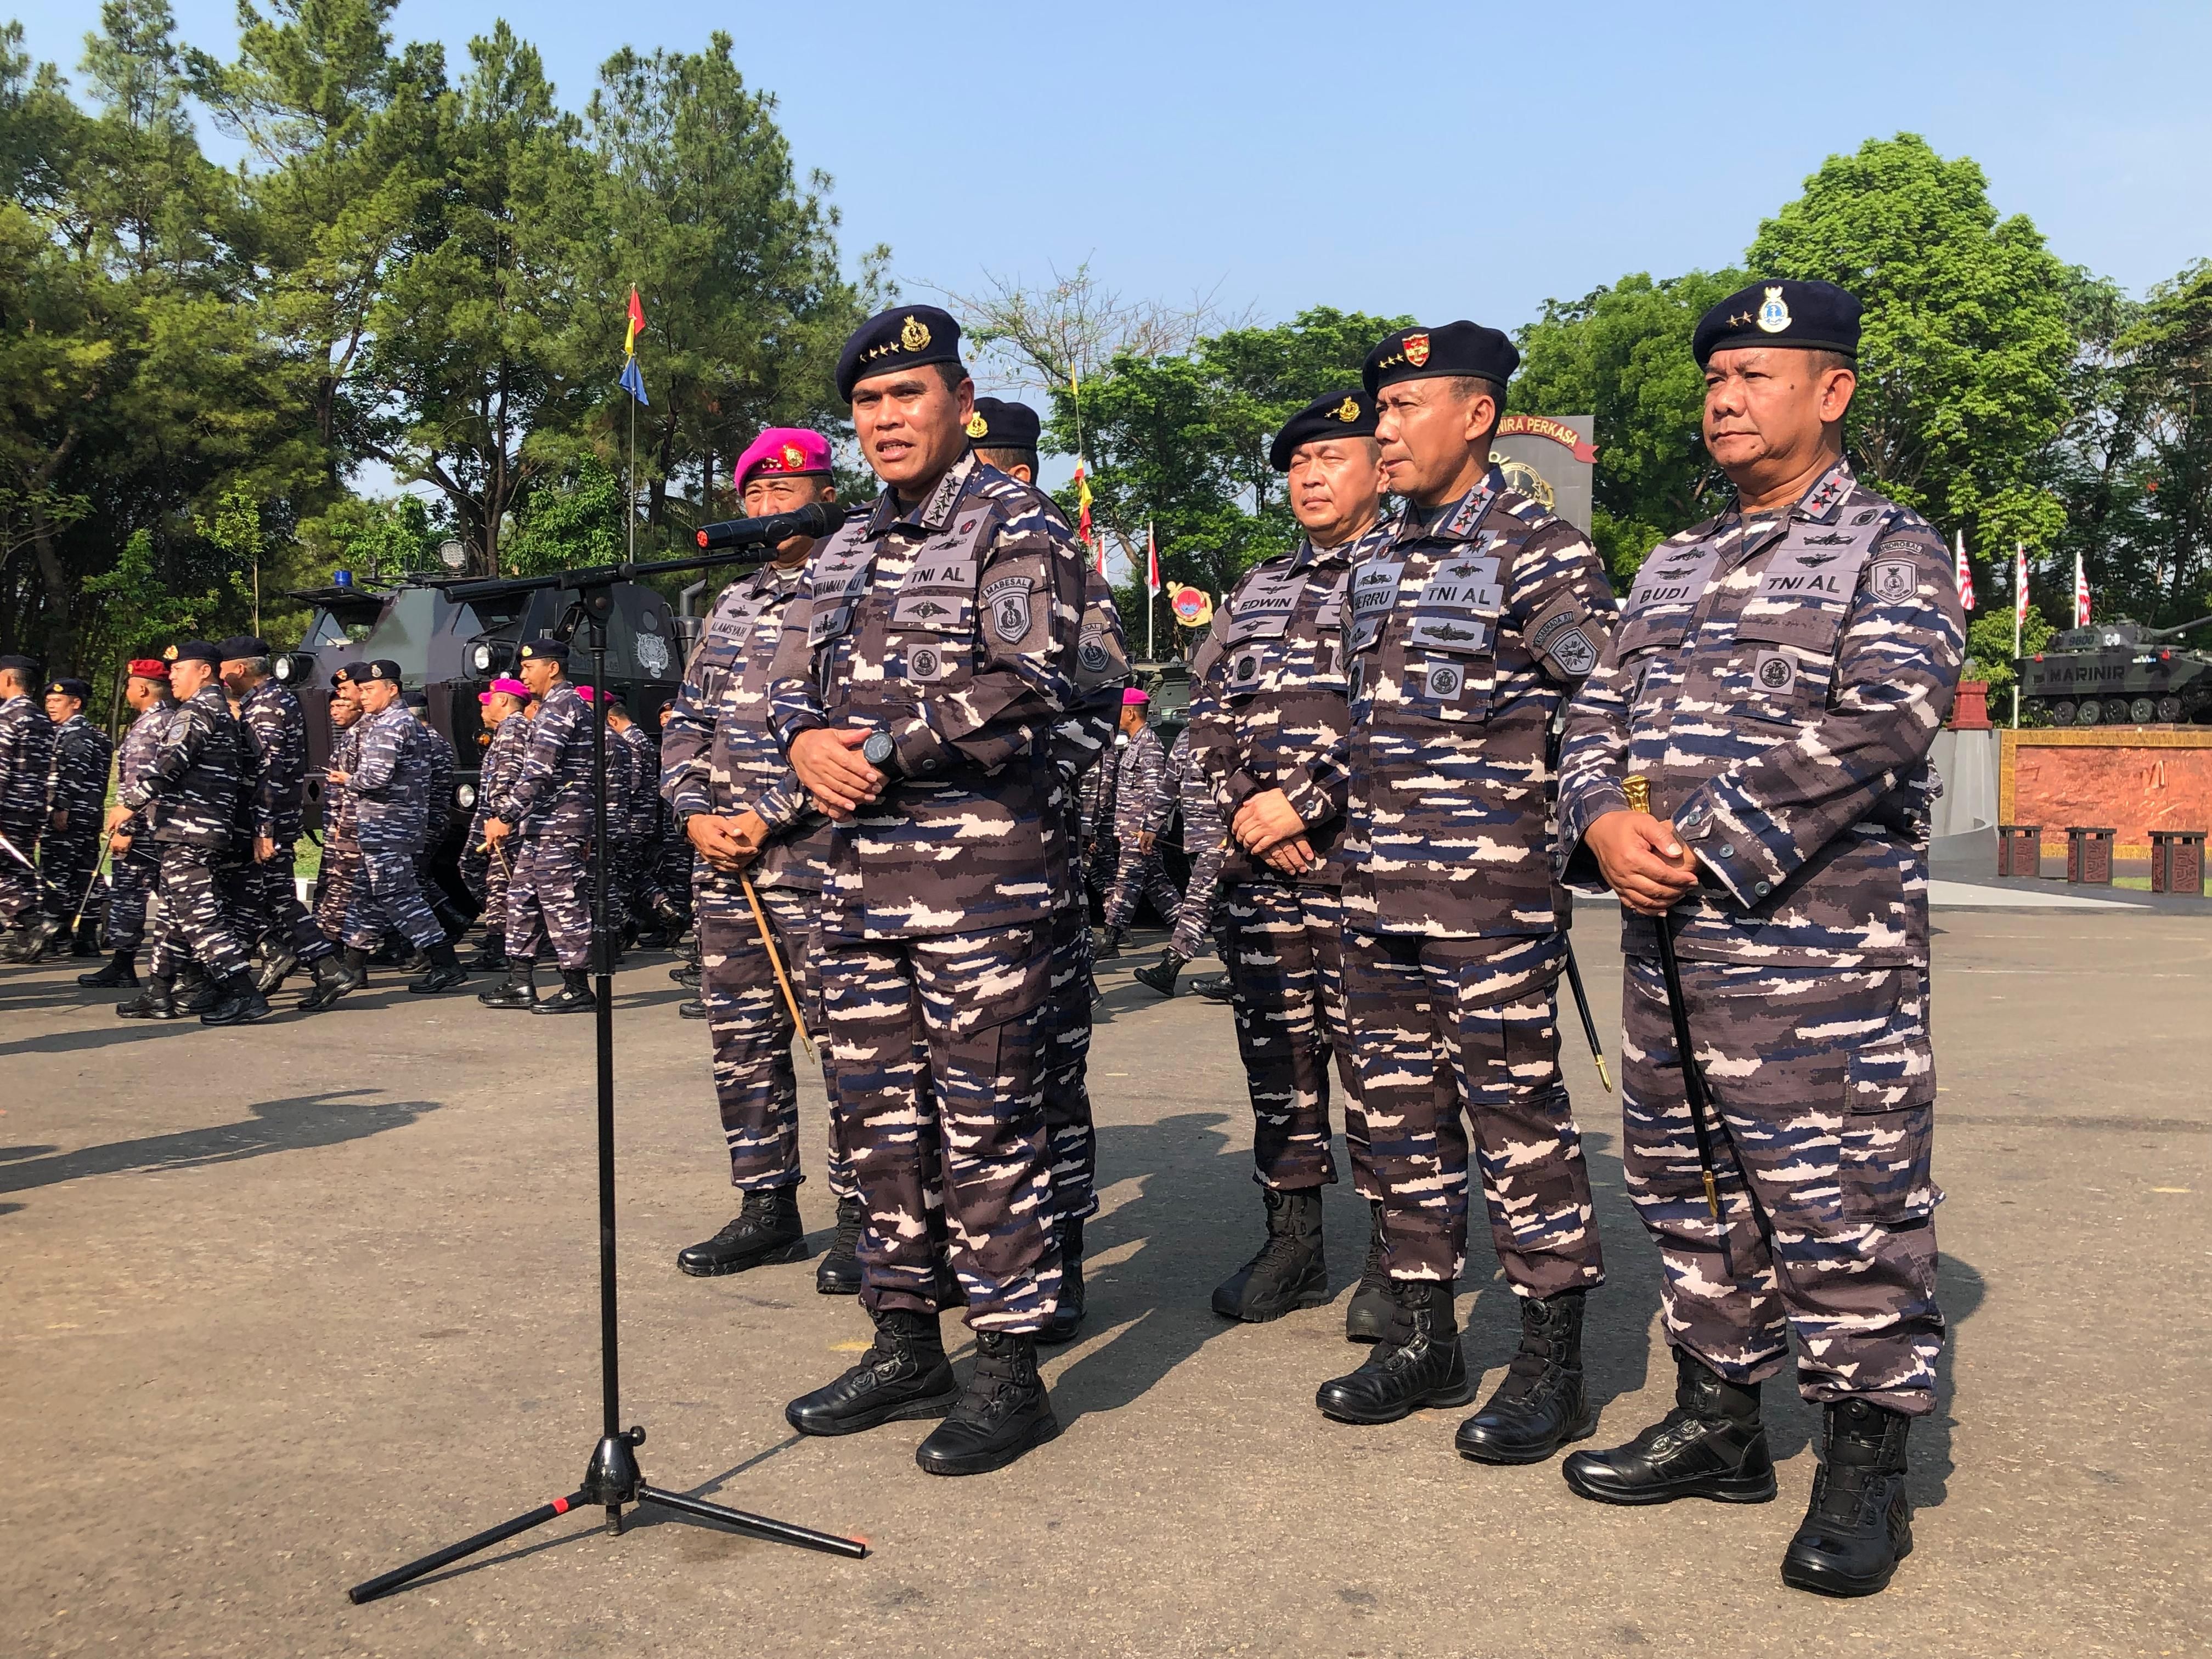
(1270, 709)
(1095, 793)
(953, 627)
(1181, 785)
(552, 794)
(76, 778)
(502, 764)
(27, 750)
(196, 779)
(438, 790)
(340, 805)
(1779, 680)
(275, 733)
(140, 744)
(390, 782)
(717, 754)
(642, 821)
(1102, 673)
(1138, 765)
(1469, 626)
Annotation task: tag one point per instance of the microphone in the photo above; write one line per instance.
(818, 519)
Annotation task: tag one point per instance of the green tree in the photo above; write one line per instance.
(2170, 346)
(577, 518)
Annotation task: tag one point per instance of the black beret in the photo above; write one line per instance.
(901, 339)
(414, 699)
(1805, 316)
(350, 673)
(997, 424)
(1339, 415)
(546, 648)
(383, 669)
(239, 646)
(27, 666)
(1423, 353)
(195, 651)
(69, 686)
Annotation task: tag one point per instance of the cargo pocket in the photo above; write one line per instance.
(1889, 1116)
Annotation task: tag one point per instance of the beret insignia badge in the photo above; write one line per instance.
(1416, 348)
(793, 458)
(1774, 315)
(915, 335)
(1347, 412)
(978, 427)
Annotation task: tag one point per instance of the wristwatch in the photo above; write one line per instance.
(880, 752)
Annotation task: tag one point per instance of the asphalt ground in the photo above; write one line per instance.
(281, 1307)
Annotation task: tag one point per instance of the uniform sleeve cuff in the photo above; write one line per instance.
(919, 751)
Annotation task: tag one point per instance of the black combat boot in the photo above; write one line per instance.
(1161, 976)
(1214, 988)
(1368, 1314)
(685, 973)
(157, 1001)
(692, 1008)
(198, 993)
(519, 991)
(490, 956)
(1289, 1272)
(767, 1230)
(1417, 1363)
(241, 1002)
(838, 1272)
(1004, 1412)
(574, 997)
(904, 1375)
(1542, 1403)
(334, 978)
(87, 941)
(445, 972)
(1710, 1445)
(280, 961)
(1067, 1317)
(1110, 946)
(121, 971)
(1859, 1525)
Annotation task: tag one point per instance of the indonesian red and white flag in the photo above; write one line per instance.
(2020, 581)
(1966, 576)
(1152, 560)
(2081, 592)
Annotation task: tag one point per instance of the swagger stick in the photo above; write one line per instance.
(775, 960)
(1638, 791)
(1583, 1007)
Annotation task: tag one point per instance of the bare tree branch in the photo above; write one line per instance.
(1035, 337)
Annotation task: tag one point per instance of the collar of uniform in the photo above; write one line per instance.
(935, 509)
(1817, 505)
(1344, 551)
(772, 575)
(1457, 522)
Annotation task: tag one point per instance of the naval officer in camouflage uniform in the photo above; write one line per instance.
(389, 780)
(509, 726)
(1140, 759)
(921, 672)
(76, 801)
(195, 787)
(548, 837)
(1469, 625)
(725, 777)
(274, 730)
(1777, 679)
(133, 865)
(1004, 435)
(1270, 731)
(336, 975)
(27, 749)
(1183, 791)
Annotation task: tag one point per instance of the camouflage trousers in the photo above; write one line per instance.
(1824, 1085)
(750, 1030)
(549, 896)
(388, 898)
(1457, 1044)
(67, 864)
(1069, 1133)
(1286, 954)
(130, 880)
(1141, 876)
(193, 919)
(19, 882)
(937, 1070)
(1201, 839)
(271, 911)
(487, 874)
(341, 874)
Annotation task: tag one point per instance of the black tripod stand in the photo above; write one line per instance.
(613, 1480)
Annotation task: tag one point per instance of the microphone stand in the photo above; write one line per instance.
(613, 1480)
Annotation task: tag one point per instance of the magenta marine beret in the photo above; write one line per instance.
(1135, 697)
(791, 452)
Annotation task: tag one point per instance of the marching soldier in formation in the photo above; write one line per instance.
(1004, 435)
(133, 865)
(1139, 873)
(1469, 625)
(1270, 730)
(930, 654)
(1182, 790)
(389, 785)
(438, 816)
(742, 807)
(1777, 681)
(549, 891)
(27, 749)
(1094, 806)
(76, 801)
(274, 732)
(640, 828)
(340, 876)
(195, 786)
(504, 717)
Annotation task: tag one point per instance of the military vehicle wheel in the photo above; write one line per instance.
(2169, 709)
(2063, 714)
(2089, 712)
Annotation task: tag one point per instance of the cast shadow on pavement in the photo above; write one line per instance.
(276, 1126)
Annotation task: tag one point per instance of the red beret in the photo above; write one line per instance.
(149, 668)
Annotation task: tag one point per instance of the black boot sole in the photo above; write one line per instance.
(1459, 1393)
(1043, 1431)
(1313, 1297)
(251, 1017)
(1477, 1450)
(918, 1409)
(1822, 1581)
(794, 1251)
(431, 984)
(837, 1285)
(1718, 1488)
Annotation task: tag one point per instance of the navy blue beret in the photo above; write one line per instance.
(1339, 415)
(1807, 316)
(1454, 349)
(904, 337)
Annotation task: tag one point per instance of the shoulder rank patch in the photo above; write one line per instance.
(1894, 580)
(1008, 600)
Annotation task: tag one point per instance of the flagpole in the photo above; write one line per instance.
(632, 479)
(1151, 585)
(2019, 610)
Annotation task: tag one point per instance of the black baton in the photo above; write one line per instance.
(1589, 1025)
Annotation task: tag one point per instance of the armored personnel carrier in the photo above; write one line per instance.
(2119, 673)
